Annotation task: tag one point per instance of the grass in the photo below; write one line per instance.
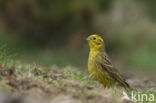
(59, 83)
(143, 59)
(6, 54)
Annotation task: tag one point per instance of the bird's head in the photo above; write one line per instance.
(95, 42)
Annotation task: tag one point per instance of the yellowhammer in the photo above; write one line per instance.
(100, 66)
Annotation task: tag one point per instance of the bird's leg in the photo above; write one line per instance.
(91, 75)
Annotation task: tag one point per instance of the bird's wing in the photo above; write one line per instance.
(107, 66)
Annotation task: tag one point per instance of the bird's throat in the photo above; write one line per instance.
(93, 53)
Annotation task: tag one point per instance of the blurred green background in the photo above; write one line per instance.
(53, 32)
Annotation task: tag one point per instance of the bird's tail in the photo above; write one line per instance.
(128, 87)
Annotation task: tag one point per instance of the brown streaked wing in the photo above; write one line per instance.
(107, 66)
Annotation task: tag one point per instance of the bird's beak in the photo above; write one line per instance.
(87, 38)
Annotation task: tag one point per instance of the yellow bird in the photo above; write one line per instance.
(100, 66)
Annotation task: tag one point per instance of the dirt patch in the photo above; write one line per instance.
(59, 86)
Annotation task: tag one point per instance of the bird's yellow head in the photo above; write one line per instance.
(95, 42)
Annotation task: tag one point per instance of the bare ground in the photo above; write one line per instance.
(66, 85)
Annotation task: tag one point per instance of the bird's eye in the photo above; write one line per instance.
(94, 38)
